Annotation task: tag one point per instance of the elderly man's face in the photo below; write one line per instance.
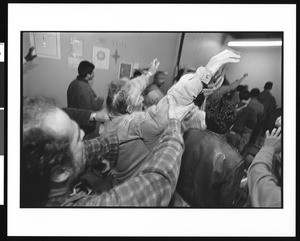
(62, 125)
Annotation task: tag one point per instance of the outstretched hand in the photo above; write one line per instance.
(102, 115)
(31, 54)
(273, 139)
(153, 66)
(224, 57)
(176, 111)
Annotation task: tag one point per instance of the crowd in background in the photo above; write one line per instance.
(207, 142)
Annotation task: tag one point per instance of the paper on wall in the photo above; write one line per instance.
(101, 57)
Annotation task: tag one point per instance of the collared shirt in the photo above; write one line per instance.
(152, 185)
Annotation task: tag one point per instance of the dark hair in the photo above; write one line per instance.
(85, 68)
(220, 116)
(42, 154)
(268, 86)
(254, 93)
(136, 73)
(42, 151)
(116, 99)
(156, 76)
(241, 88)
(244, 95)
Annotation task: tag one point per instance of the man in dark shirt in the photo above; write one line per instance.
(80, 93)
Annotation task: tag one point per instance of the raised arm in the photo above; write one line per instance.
(190, 85)
(263, 185)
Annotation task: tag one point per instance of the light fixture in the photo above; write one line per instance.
(254, 43)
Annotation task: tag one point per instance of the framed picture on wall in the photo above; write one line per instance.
(46, 44)
(125, 70)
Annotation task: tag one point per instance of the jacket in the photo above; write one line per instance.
(211, 170)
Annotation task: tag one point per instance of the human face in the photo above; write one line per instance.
(90, 76)
(62, 125)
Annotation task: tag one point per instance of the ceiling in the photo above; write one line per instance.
(256, 35)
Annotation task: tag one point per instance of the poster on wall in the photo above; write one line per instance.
(77, 49)
(125, 70)
(101, 57)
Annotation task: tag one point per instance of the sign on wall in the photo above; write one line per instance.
(46, 45)
(101, 57)
(125, 70)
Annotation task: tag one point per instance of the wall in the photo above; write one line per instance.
(261, 63)
(51, 77)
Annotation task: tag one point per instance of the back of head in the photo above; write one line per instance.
(42, 151)
(254, 93)
(116, 99)
(136, 73)
(268, 86)
(159, 75)
(220, 116)
(244, 95)
(241, 88)
(85, 68)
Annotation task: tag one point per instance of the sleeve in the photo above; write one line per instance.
(99, 103)
(140, 83)
(189, 86)
(82, 117)
(155, 183)
(102, 149)
(263, 188)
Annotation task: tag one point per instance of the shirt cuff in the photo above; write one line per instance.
(204, 74)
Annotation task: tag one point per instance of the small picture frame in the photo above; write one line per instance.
(125, 70)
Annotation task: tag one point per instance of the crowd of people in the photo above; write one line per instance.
(193, 146)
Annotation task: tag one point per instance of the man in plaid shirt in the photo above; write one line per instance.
(54, 156)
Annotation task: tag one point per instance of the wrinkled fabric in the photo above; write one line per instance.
(211, 170)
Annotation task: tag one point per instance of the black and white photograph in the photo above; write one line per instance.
(201, 130)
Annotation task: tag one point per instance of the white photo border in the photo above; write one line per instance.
(151, 221)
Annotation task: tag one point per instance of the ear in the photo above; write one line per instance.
(60, 174)
(129, 109)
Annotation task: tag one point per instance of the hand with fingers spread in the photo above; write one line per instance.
(224, 57)
(273, 139)
(153, 67)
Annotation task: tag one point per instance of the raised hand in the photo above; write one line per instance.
(224, 57)
(274, 139)
(102, 115)
(31, 54)
(153, 66)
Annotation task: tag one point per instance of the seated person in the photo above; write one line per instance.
(140, 130)
(264, 174)
(54, 156)
(211, 169)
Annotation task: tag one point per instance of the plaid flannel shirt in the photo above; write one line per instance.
(101, 154)
(155, 182)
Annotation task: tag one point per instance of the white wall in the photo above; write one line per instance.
(51, 77)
